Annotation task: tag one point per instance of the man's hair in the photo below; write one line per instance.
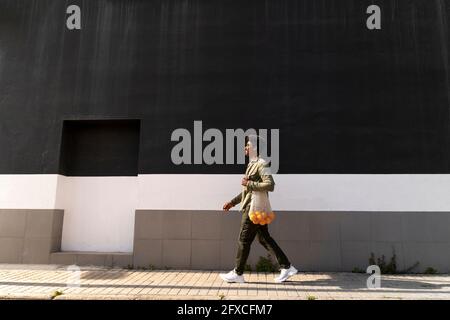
(257, 142)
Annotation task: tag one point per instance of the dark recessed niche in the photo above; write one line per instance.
(100, 148)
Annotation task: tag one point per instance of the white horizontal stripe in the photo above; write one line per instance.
(343, 192)
(406, 192)
(28, 191)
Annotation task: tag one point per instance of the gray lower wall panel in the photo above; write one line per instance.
(314, 241)
(29, 236)
(207, 240)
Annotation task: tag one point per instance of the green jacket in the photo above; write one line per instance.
(260, 179)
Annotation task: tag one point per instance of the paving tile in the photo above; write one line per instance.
(102, 283)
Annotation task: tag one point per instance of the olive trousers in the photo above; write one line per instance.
(246, 236)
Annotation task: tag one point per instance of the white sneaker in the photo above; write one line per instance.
(232, 276)
(285, 274)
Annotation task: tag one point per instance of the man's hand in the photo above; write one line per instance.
(227, 206)
(245, 181)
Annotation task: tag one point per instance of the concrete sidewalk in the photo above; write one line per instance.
(54, 282)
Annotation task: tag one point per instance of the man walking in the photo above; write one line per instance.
(257, 178)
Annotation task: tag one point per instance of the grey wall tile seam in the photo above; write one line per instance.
(161, 256)
(340, 218)
(12, 237)
(191, 247)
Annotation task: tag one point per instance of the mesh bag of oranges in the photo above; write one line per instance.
(260, 210)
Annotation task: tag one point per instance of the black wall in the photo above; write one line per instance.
(346, 99)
